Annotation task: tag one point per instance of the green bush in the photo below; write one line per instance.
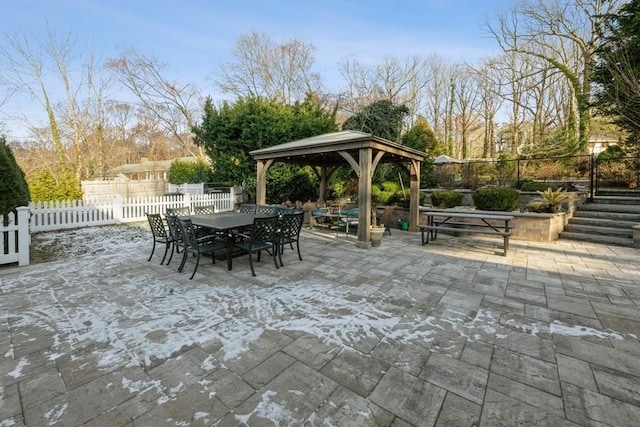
(14, 191)
(186, 172)
(45, 186)
(379, 196)
(536, 186)
(522, 181)
(496, 199)
(446, 198)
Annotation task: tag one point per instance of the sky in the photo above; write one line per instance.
(194, 37)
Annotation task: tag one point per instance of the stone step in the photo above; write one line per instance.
(611, 216)
(616, 200)
(605, 231)
(622, 192)
(597, 238)
(599, 207)
(603, 222)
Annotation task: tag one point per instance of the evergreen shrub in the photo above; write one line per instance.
(446, 198)
(496, 199)
(14, 191)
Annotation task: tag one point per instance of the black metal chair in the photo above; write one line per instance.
(175, 234)
(181, 211)
(197, 246)
(159, 231)
(289, 228)
(204, 210)
(266, 210)
(262, 237)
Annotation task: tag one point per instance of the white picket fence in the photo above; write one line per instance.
(15, 238)
(50, 216)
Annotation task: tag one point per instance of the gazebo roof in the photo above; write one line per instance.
(323, 150)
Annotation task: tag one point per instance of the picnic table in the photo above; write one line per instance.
(466, 222)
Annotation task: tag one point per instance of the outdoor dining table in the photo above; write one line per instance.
(224, 222)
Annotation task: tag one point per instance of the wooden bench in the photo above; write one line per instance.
(485, 224)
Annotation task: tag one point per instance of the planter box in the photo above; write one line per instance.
(538, 227)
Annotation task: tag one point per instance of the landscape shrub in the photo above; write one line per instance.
(446, 198)
(14, 191)
(188, 172)
(536, 186)
(496, 199)
(522, 181)
(380, 196)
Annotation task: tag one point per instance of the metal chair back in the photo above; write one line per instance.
(247, 208)
(159, 231)
(266, 210)
(181, 211)
(289, 229)
(204, 210)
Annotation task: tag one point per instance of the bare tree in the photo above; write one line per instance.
(467, 103)
(42, 68)
(282, 72)
(489, 85)
(566, 35)
(172, 104)
(437, 94)
(401, 82)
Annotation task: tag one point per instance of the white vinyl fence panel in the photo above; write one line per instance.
(50, 216)
(15, 238)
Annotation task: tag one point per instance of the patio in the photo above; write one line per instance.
(403, 334)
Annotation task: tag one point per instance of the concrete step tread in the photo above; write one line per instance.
(600, 207)
(594, 238)
(603, 222)
(618, 193)
(607, 231)
(611, 216)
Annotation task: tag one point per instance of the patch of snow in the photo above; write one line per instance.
(56, 413)
(267, 409)
(17, 371)
(582, 331)
(200, 415)
(141, 386)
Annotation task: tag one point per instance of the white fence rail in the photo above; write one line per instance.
(15, 238)
(49, 216)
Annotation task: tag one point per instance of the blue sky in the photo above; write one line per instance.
(193, 37)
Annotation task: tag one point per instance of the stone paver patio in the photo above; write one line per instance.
(451, 333)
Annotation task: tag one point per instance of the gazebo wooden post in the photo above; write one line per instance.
(261, 180)
(414, 206)
(364, 198)
(323, 184)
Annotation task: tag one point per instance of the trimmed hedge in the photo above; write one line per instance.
(531, 185)
(446, 198)
(496, 199)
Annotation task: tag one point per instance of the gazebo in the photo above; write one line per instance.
(362, 151)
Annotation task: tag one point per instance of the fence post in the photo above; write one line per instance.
(232, 198)
(24, 238)
(592, 176)
(117, 209)
(186, 200)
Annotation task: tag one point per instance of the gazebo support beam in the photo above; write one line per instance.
(414, 204)
(364, 198)
(261, 180)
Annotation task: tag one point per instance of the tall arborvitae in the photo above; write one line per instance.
(14, 190)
